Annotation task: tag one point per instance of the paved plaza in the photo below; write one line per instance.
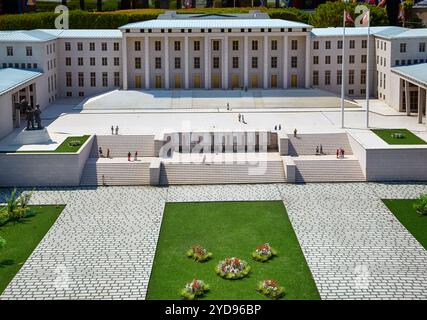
(103, 244)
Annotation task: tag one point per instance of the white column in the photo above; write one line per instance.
(125, 62)
(147, 62)
(207, 73)
(186, 62)
(407, 100)
(166, 41)
(307, 60)
(245, 62)
(225, 63)
(265, 68)
(285, 62)
(420, 104)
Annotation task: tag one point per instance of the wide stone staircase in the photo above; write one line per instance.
(217, 170)
(327, 169)
(120, 145)
(305, 144)
(116, 172)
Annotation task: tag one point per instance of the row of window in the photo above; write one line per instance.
(51, 83)
(421, 47)
(92, 61)
(327, 77)
(328, 44)
(215, 45)
(22, 65)
(92, 46)
(222, 30)
(92, 79)
(409, 62)
(50, 48)
(351, 59)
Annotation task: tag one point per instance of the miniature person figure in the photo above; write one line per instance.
(30, 117)
(136, 156)
(117, 129)
(295, 132)
(240, 117)
(103, 180)
(108, 153)
(321, 149)
(275, 128)
(317, 150)
(338, 153)
(100, 152)
(280, 127)
(37, 116)
(129, 155)
(342, 153)
(228, 106)
(112, 129)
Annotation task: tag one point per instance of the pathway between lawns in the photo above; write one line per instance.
(103, 244)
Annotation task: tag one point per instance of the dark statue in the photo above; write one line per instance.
(33, 114)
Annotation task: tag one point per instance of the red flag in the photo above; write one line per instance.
(347, 17)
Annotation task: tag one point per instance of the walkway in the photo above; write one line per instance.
(103, 244)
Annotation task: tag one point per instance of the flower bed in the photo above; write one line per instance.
(271, 289)
(232, 268)
(194, 289)
(263, 252)
(199, 254)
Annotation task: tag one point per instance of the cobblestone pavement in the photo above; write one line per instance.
(103, 244)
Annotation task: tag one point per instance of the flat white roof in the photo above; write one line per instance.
(11, 78)
(214, 23)
(415, 72)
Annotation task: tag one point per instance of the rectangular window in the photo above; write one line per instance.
(254, 62)
(422, 47)
(215, 45)
(384, 81)
(67, 46)
(105, 79)
(117, 79)
(327, 59)
(403, 47)
(339, 44)
(9, 51)
(235, 45)
(235, 62)
(92, 46)
(350, 76)
(215, 63)
(116, 61)
(177, 45)
(315, 78)
(196, 63)
(273, 44)
(315, 59)
(79, 61)
(294, 62)
(254, 45)
(327, 45)
(29, 51)
(177, 63)
(294, 44)
(327, 78)
(158, 63)
(157, 45)
(116, 46)
(339, 59)
(137, 45)
(104, 61)
(137, 63)
(316, 47)
(93, 79)
(362, 76)
(68, 79)
(351, 59)
(81, 79)
(273, 62)
(92, 61)
(196, 45)
(79, 46)
(339, 77)
(352, 44)
(363, 58)
(68, 61)
(364, 44)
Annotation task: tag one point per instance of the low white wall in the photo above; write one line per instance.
(396, 164)
(43, 169)
(6, 117)
(359, 152)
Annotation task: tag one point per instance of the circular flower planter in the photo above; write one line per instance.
(194, 289)
(263, 253)
(232, 268)
(199, 254)
(271, 289)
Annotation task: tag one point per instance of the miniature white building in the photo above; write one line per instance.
(232, 51)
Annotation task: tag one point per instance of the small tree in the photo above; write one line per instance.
(421, 205)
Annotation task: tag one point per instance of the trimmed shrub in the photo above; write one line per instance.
(199, 254)
(194, 289)
(421, 205)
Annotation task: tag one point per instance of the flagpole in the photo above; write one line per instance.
(343, 72)
(367, 70)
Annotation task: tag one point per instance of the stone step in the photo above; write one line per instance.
(305, 144)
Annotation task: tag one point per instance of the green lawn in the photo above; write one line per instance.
(409, 137)
(228, 229)
(413, 221)
(22, 238)
(65, 147)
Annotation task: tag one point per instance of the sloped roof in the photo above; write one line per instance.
(415, 72)
(11, 78)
